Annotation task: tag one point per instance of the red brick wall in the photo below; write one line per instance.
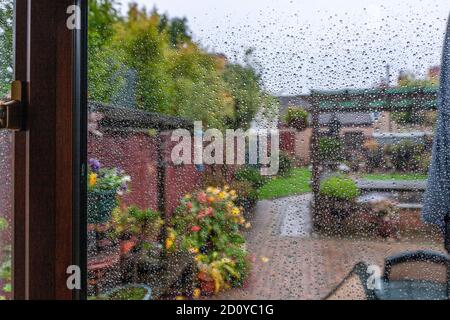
(136, 154)
(180, 179)
(287, 141)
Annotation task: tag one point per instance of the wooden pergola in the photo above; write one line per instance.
(364, 100)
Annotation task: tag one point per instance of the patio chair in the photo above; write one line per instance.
(419, 275)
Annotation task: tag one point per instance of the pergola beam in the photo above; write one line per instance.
(360, 101)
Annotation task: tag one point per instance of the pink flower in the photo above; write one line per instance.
(201, 214)
(202, 197)
(209, 211)
(195, 229)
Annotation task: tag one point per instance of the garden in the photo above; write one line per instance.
(373, 188)
(205, 233)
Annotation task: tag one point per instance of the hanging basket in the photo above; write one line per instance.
(100, 205)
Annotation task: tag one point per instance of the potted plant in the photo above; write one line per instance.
(104, 185)
(133, 227)
(297, 118)
(208, 225)
(387, 215)
(127, 292)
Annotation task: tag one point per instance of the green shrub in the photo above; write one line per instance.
(424, 162)
(405, 155)
(297, 118)
(3, 224)
(409, 117)
(330, 149)
(340, 188)
(247, 195)
(286, 164)
(250, 174)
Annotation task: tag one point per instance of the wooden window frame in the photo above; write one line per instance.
(50, 155)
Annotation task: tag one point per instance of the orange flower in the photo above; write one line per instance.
(169, 243)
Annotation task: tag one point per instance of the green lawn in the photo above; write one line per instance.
(296, 183)
(394, 176)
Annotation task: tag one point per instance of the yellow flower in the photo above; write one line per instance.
(193, 250)
(216, 191)
(196, 293)
(226, 187)
(233, 193)
(210, 189)
(222, 195)
(92, 179)
(180, 298)
(235, 211)
(187, 197)
(199, 257)
(211, 199)
(169, 243)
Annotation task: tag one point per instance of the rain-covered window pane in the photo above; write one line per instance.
(262, 149)
(6, 151)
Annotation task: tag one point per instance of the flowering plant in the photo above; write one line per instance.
(107, 179)
(208, 224)
(132, 221)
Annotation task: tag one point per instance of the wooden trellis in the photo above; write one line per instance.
(370, 100)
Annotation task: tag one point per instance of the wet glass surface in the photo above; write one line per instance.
(6, 43)
(259, 149)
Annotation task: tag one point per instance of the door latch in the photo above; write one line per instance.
(12, 113)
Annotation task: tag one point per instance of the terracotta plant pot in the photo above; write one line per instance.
(387, 228)
(206, 283)
(127, 245)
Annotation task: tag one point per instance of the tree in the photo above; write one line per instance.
(107, 74)
(243, 83)
(415, 115)
(149, 61)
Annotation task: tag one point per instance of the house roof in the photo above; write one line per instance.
(292, 101)
(346, 119)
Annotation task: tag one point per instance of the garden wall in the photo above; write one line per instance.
(135, 153)
(296, 143)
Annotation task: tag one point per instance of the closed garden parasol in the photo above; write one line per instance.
(437, 196)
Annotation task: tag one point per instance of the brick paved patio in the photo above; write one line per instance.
(298, 265)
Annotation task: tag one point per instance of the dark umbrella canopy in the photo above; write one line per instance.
(437, 195)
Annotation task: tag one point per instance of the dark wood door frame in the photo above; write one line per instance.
(49, 155)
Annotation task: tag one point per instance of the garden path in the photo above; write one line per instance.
(289, 262)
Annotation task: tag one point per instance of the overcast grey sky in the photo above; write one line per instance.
(318, 44)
